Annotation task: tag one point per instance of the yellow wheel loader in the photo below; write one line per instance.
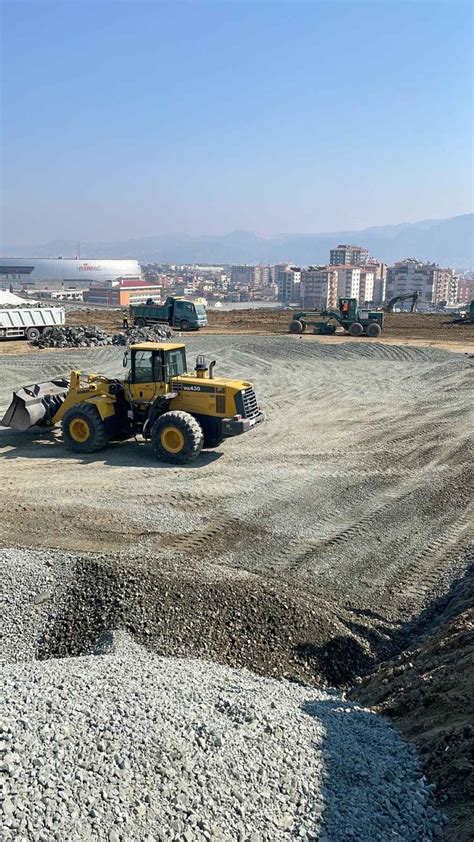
(179, 411)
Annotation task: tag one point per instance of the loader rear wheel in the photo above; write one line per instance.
(373, 330)
(177, 437)
(356, 329)
(84, 430)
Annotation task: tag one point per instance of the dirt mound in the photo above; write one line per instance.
(428, 692)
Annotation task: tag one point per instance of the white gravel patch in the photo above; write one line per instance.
(134, 747)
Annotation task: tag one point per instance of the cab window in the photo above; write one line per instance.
(176, 362)
(143, 367)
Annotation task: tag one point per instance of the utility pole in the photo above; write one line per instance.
(79, 250)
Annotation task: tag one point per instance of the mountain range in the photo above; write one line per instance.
(448, 242)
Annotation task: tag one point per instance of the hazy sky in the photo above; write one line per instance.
(125, 119)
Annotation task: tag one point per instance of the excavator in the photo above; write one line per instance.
(179, 411)
(407, 296)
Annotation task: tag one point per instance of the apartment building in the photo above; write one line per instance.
(288, 281)
(241, 274)
(319, 287)
(345, 255)
(348, 281)
(366, 286)
(253, 276)
(433, 283)
(465, 293)
(262, 276)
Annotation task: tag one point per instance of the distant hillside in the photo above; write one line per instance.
(446, 241)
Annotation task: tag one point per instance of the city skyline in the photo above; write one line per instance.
(121, 119)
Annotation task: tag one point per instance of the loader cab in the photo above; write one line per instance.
(151, 366)
(153, 362)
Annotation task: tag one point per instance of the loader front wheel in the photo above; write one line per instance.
(84, 430)
(177, 437)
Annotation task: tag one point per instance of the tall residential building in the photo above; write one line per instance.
(241, 274)
(254, 276)
(288, 280)
(345, 255)
(348, 281)
(433, 283)
(319, 287)
(367, 286)
(465, 290)
(262, 276)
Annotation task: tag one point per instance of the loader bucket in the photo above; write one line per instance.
(35, 405)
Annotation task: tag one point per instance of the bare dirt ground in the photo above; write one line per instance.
(418, 330)
(429, 692)
(307, 549)
(399, 327)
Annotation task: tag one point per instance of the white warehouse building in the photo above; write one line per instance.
(67, 271)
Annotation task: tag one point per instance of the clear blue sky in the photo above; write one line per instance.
(125, 119)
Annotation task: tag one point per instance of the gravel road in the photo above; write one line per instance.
(132, 747)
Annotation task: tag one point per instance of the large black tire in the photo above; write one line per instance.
(33, 333)
(83, 429)
(140, 322)
(184, 324)
(373, 330)
(295, 326)
(356, 329)
(177, 437)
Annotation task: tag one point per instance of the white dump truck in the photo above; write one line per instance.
(29, 322)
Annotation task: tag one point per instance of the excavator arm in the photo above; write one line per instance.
(407, 296)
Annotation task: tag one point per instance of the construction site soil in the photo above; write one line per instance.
(399, 327)
(331, 546)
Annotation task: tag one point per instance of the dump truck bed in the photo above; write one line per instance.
(15, 321)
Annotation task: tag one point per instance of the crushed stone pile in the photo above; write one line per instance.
(79, 336)
(29, 583)
(132, 746)
(154, 333)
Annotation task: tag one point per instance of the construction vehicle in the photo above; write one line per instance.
(463, 318)
(406, 296)
(175, 312)
(29, 322)
(180, 412)
(356, 321)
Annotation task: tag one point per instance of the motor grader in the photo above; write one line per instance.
(180, 412)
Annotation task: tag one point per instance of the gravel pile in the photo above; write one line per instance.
(29, 583)
(91, 337)
(154, 333)
(73, 337)
(135, 747)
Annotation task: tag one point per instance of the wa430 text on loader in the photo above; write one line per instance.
(179, 411)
